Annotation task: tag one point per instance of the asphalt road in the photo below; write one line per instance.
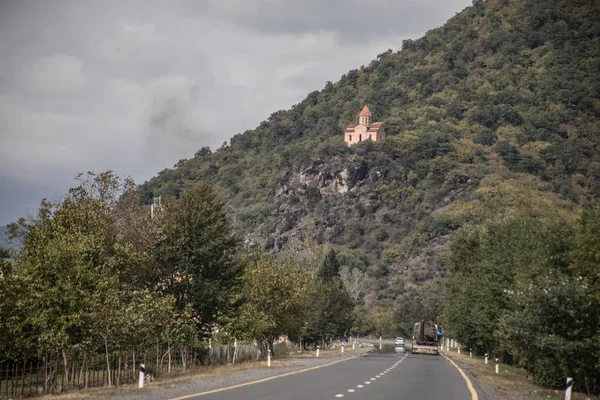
(382, 374)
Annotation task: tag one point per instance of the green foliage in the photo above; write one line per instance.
(330, 311)
(194, 255)
(274, 296)
(527, 288)
(492, 124)
(552, 330)
(4, 253)
(80, 279)
(586, 252)
(418, 303)
(330, 268)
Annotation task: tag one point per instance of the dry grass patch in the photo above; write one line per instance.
(511, 383)
(167, 381)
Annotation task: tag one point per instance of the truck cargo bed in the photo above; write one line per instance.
(424, 349)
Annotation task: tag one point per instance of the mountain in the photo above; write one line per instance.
(496, 112)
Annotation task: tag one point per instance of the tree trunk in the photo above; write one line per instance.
(157, 356)
(126, 367)
(82, 370)
(169, 359)
(107, 360)
(46, 375)
(234, 351)
(119, 371)
(66, 367)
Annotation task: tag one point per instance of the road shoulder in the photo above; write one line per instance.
(484, 391)
(216, 378)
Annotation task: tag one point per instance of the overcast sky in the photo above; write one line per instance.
(134, 86)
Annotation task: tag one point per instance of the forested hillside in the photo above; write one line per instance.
(494, 113)
(478, 211)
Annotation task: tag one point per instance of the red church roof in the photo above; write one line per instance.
(365, 112)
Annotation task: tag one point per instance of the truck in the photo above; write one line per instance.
(425, 340)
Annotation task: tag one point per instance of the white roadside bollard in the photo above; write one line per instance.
(269, 358)
(342, 347)
(486, 358)
(142, 375)
(569, 388)
(497, 366)
(318, 349)
(353, 344)
(380, 338)
(459, 350)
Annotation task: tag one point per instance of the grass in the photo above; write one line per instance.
(511, 383)
(197, 373)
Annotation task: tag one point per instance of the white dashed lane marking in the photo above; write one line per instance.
(374, 378)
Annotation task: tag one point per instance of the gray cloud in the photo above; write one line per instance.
(355, 20)
(134, 86)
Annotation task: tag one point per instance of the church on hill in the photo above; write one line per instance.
(364, 130)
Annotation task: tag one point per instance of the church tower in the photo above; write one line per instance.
(365, 116)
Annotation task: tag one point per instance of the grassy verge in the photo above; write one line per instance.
(198, 373)
(511, 383)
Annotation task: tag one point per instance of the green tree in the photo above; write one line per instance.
(586, 252)
(330, 311)
(274, 296)
(4, 253)
(79, 283)
(194, 255)
(330, 267)
(73, 252)
(552, 331)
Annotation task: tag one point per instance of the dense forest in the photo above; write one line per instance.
(479, 210)
(491, 119)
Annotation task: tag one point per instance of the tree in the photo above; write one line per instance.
(356, 282)
(194, 255)
(4, 253)
(586, 252)
(381, 318)
(552, 331)
(330, 267)
(274, 296)
(75, 253)
(330, 311)
(81, 280)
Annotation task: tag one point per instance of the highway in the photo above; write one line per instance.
(388, 373)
